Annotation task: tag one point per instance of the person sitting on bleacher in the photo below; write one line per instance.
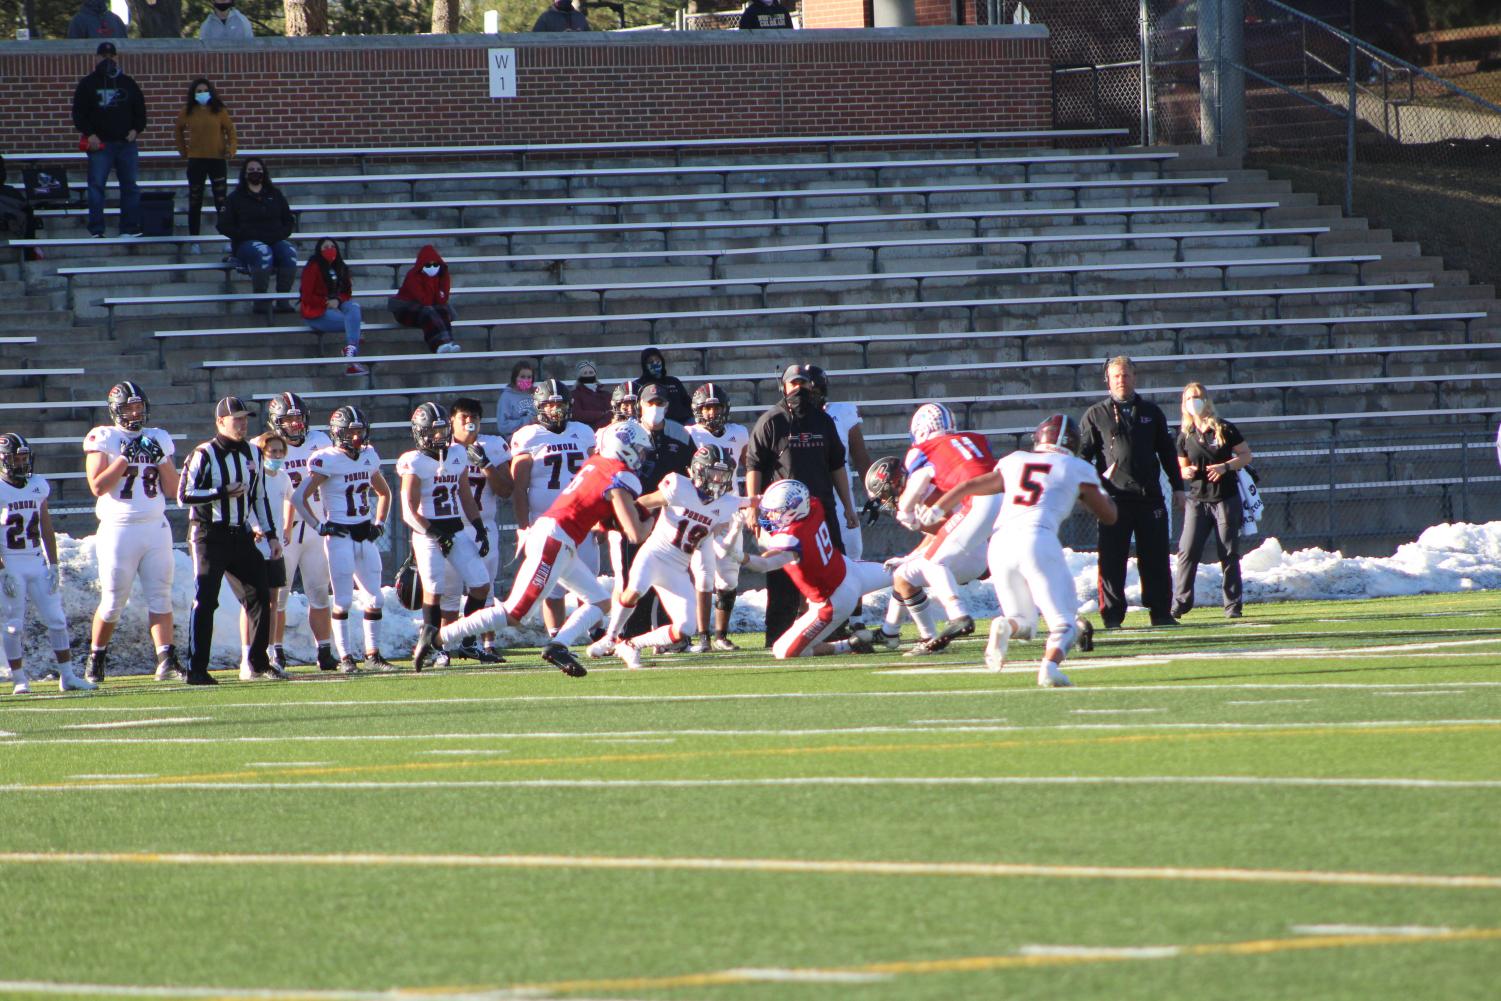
(422, 301)
(591, 405)
(328, 304)
(654, 373)
(515, 408)
(257, 222)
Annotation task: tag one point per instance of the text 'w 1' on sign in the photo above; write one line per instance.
(502, 72)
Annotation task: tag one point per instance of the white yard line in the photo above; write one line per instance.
(1369, 930)
(480, 751)
(805, 976)
(1452, 691)
(287, 764)
(1355, 782)
(125, 723)
(1266, 702)
(730, 732)
(859, 867)
(114, 778)
(1102, 952)
(1107, 712)
(49, 987)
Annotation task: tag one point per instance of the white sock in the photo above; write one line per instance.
(372, 635)
(892, 623)
(925, 614)
(341, 637)
(244, 653)
(945, 588)
(660, 636)
(618, 614)
(584, 618)
(161, 651)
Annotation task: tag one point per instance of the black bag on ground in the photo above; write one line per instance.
(156, 212)
(46, 187)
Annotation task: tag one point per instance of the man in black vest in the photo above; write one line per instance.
(1128, 441)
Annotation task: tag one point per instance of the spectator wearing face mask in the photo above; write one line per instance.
(205, 134)
(109, 112)
(422, 301)
(257, 223)
(591, 405)
(561, 16)
(226, 24)
(654, 373)
(1211, 454)
(516, 409)
(328, 304)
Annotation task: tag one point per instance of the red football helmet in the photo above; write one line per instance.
(1059, 433)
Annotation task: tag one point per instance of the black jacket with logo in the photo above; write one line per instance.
(108, 106)
(1129, 443)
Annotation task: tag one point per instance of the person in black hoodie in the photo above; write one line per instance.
(257, 222)
(1128, 441)
(654, 373)
(109, 112)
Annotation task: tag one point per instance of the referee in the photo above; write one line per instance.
(1127, 440)
(229, 521)
(797, 440)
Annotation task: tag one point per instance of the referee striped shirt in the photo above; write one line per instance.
(214, 467)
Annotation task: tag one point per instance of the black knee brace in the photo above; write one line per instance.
(724, 600)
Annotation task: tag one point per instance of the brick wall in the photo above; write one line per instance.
(413, 91)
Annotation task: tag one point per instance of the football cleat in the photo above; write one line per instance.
(379, 664)
(1000, 640)
(962, 626)
(169, 668)
(427, 645)
(278, 658)
(200, 678)
(680, 645)
(629, 655)
(97, 661)
(1048, 676)
(859, 644)
(562, 658)
(700, 644)
(1086, 636)
(67, 681)
(723, 644)
(326, 659)
(348, 665)
(602, 647)
(927, 647)
(880, 638)
(489, 655)
(21, 680)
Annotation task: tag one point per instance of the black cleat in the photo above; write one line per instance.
(326, 659)
(927, 647)
(1086, 636)
(380, 665)
(278, 658)
(562, 658)
(427, 646)
(962, 626)
(200, 678)
(859, 644)
(489, 655)
(95, 671)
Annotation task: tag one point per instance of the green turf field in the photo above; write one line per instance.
(1302, 804)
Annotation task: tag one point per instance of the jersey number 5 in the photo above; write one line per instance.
(1031, 490)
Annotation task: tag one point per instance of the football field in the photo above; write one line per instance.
(1305, 803)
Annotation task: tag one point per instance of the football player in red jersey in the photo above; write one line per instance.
(606, 486)
(796, 537)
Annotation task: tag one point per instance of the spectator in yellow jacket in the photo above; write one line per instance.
(206, 136)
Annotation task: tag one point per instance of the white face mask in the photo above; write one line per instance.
(653, 414)
(1195, 406)
(203, 97)
(431, 270)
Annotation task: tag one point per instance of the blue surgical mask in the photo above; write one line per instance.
(203, 97)
(274, 465)
(431, 270)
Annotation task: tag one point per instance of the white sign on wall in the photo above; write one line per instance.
(502, 73)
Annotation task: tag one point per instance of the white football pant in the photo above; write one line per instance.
(127, 550)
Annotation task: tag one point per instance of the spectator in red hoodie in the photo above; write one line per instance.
(328, 302)
(591, 405)
(422, 301)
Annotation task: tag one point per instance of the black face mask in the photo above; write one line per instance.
(587, 380)
(111, 68)
(799, 402)
(255, 177)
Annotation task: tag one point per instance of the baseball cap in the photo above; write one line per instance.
(653, 394)
(105, 49)
(231, 406)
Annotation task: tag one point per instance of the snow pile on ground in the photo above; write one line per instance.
(1445, 558)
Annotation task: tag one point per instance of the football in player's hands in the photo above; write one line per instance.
(477, 456)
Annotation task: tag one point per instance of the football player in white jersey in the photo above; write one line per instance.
(129, 468)
(28, 566)
(490, 482)
(346, 474)
(717, 579)
(545, 457)
(693, 508)
(1025, 556)
(302, 549)
(435, 503)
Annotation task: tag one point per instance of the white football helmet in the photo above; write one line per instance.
(931, 420)
(783, 503)
(627, 441)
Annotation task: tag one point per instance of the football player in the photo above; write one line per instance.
(545, 457)
(345, 474)
(796, 537)
(849, 424)
(130, 469)
(885, 484)
(302, 550)
(606, 486)
(625, 401)
(1027, 567)
(28, 566)
(694, 507)
(717, 578)
(942, 457)
(436, 501)
(490, 482)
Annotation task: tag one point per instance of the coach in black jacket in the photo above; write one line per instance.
(1128, 441)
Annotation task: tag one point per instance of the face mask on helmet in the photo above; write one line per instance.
(291, 426)
(350, 438)
(712, 416)
(553, 415)
(713, 480)
(15, 461)
(131, 416)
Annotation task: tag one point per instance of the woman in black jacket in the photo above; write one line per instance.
(1211, 453)
(257, 222)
